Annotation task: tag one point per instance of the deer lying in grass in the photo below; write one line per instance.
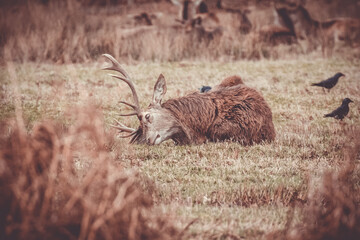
(232, 112)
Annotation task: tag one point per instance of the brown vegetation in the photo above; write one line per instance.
(147, 31)
(328, 33)
(60, 183)
(332, 208)
(220, 190)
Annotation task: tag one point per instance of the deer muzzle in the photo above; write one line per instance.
(154, 140)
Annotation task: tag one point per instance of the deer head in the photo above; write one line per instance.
(157, 124)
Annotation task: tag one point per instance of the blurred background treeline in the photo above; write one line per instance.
(170, 30)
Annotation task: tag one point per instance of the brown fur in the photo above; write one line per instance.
(236, 113)
(231, 81)
(275, 35)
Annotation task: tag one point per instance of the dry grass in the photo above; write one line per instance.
(64, 174)
(61, 182)
(332, 209)
(223, 190)
(80, 34)
(64, 184)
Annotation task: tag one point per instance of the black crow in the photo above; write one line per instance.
(341, 111)
(204, 89)
(330, 82)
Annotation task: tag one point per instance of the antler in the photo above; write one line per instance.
(122, 128)
(115, 66)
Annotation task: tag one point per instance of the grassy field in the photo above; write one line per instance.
(213, 190)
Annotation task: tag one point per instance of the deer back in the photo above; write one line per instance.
(236, 113)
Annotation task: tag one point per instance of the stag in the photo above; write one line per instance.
(231, 112)
(331, 32)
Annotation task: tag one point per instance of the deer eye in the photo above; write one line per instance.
(147, 116)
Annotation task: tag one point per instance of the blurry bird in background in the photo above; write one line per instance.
(204, 89)
(341, 111)
(330, 82)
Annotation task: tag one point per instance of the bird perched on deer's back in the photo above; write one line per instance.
(341, 111)
(227, 82)
(330, 82)
(204, 89)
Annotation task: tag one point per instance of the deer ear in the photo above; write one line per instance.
(159, 90)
